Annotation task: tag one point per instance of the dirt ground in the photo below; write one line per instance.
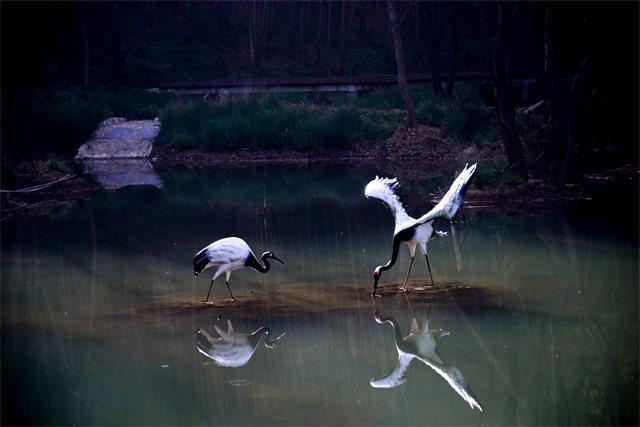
(423, 148)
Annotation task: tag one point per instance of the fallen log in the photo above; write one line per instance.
(40, 186)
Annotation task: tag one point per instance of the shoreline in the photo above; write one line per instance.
(439, 158)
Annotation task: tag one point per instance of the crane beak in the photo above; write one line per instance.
(375, 287)
(278, 259)
(272, 343)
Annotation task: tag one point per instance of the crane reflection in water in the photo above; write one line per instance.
(233, 349)
(421, 344)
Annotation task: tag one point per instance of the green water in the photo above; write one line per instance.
(100, 308)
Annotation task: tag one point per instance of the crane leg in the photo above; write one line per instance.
(229, 289)
(463, 217)
(404, 288)
(429, 267)
(206, 300)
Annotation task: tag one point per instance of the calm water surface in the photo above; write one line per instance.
(100, 308)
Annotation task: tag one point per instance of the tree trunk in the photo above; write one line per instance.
(576, 91)
(505, 109)
(263, 20)
(85, 42)
(301, 32)
(402, 72)
(117, 49)
(251, 19)
(329, 25)
(319, 30)
(557, 112)
(187, 6)
(456, 10)
(267, 28)
(362, 15)
(342, 46)
(562, 119)
(352, 14)
(417, 26)
(434, 47)
(291, 11)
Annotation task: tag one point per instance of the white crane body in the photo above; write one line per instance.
(229, 254)
(416, 232)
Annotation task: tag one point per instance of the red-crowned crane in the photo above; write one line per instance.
(229, 254)
(415, 232)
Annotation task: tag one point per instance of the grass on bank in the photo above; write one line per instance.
(465, 115)
(495, 173)
(60, 120)
(266, 123)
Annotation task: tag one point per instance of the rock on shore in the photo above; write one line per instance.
(117, 138)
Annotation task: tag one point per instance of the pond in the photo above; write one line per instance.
(100, 309)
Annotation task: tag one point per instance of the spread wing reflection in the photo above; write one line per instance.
(232, 349)
(421, 344)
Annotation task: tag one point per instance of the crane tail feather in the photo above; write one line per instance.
(200, 261)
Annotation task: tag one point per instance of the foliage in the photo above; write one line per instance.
(464, 116)
(377, 126)
(60, 120)
(257, 122)
(391, 97)
(335, 129)
(57, 165)
(495, 173)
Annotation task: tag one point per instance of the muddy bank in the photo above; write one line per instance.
(37, 189)
(180, 309)
(303, 299)
(423, 150)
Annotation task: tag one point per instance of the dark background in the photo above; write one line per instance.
(139, 44)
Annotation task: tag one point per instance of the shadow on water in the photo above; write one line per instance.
(114, 174)
(421, 344)
(233, 349)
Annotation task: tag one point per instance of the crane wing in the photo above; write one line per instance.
(397, 376)
(450, 203)
(387, 190)
(203, 340)
(456, 380)
(223, 251)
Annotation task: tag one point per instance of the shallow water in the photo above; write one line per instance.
(100, 308)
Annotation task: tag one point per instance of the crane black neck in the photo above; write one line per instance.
(255, 336)
(394, 255)
(396, 328)
(253, 263)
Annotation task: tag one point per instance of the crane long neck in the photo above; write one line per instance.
(257, 334)
(396, 328)
(253, 263)
(394, 255)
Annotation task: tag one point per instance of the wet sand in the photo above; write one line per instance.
(304, 299)
(174, 312)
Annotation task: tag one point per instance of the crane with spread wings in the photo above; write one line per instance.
(415, 231)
